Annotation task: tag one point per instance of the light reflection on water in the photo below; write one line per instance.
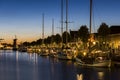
(79, 77)
(24, 66)
(100, 75)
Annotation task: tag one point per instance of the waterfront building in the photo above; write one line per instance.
(74, 35)
(115, 37)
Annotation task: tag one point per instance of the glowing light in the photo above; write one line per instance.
(75, 51)
(100, 75)
(94, 42)
(80, 77)
(84, 53)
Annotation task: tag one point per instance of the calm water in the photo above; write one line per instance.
(24, 66)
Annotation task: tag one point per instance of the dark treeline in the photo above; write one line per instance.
(82, 33)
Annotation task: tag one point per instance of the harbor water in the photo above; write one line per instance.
(16, 65)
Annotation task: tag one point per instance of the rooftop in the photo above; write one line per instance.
(115, 29)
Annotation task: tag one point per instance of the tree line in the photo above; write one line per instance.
(83, 33)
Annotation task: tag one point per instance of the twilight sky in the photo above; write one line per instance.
(23, 18)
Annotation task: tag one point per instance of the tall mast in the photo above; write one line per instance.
(52, 30)
(66, 20)
(52, 26)
(43, 28)
(90, 25)
(90, 16)
(62, 18)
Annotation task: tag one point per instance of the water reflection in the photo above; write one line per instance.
(96, 76)
(17, 66)
(100, 75)
(80, 77)
(33, 58)
(24, 66)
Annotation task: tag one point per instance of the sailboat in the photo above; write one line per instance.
(43, 51)
(94, 61)
(52, 48)
(66, 52)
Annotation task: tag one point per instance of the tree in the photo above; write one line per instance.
(57, 38)
(53, 39)
(26, 44)
(48, 40)
(33, 43)
(103, 32)
(84, 34)
(74, 36)
(39, 42)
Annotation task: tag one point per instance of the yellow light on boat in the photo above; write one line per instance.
(75, 51)
(103, 42)
(46, 50)
(84, 53)
(39, 50)
(94, 42)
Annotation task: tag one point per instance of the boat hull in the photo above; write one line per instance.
(106, 63)
(43, 54)
(64, 57)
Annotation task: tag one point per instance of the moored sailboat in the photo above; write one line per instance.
(91, 60)
(97, 61)
(66, 52)
(43, 50)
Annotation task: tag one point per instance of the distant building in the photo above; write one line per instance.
(74, 35)
(115, 29)
(115, 36)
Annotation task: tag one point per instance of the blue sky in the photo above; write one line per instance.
(23, 17)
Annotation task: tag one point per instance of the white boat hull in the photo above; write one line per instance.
(106, 63)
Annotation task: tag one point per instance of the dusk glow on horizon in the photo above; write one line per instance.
(23, 18)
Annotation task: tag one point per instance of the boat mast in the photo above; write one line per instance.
(52, 30)
(62, 21)
(52, 26)
(90, 25)
(62, 18)
(90, 17)
(43, 28)
(66, 20)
